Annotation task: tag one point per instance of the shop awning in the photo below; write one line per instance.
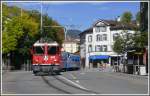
(94, 57)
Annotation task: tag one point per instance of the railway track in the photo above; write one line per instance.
(79, 88)
(54, 86)
(50, 84)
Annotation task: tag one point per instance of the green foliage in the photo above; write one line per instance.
(123, 42)
(140, 40)
(8, 43)
(118, 46)
(30, 26)
(11, 32)
(22, 30)
(136, 41)
(126, 17)
(138, 17)
(55, 33)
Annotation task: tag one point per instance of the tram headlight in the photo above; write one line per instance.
(36, 60)
(56, 63)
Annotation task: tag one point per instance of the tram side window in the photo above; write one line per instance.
(39, 50)
(52, 50)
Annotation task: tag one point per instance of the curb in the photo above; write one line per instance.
(132, 76)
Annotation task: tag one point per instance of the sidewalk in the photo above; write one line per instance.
(109, 69)
(118, 74)
(5, 69)
(130, 76)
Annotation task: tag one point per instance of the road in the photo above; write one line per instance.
(73, 82)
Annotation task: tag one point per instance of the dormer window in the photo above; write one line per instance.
(100, 29)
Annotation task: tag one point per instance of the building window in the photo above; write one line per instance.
(97, 29)
(101, 48)
(101, 37)
(105, 48)
(103, 29)
(105, 37)
(90, 38)
(100, 29)
(98, 48)
(115, 36)
(98, 37)
(90, 48)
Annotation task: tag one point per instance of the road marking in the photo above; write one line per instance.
(82, 73)
(74, 77)
(73, 83)
(77, 81)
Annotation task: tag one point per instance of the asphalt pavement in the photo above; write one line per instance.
(74, 82)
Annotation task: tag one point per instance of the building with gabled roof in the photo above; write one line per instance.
(96, 43)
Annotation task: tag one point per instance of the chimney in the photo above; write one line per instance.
(118, 18)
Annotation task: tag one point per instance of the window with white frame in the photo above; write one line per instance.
(98, 37)
(98, 48)
(100, 29)
(103, 28)
(90, 48)
(90, 38)
(97, 29)
(105, 48)
(115, 35)
(105, 37)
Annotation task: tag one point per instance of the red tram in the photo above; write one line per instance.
(46, 57)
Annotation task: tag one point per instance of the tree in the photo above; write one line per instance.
(138, 17)
(11, 32)
(118, 46)
(55, 33)
(25, 30)
(123, 42)
(126, 17)
(140, 40)
(21, 31)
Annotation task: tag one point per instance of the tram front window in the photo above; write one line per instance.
(39, 50)
(52, 50)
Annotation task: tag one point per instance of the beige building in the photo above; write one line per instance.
(71, 46)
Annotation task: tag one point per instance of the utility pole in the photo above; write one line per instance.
(41, 18)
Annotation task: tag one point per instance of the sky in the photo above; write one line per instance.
(81, 14)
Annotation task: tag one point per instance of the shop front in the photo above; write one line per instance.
(97, 61)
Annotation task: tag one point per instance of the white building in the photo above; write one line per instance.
(96, 43)
(71, 46)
